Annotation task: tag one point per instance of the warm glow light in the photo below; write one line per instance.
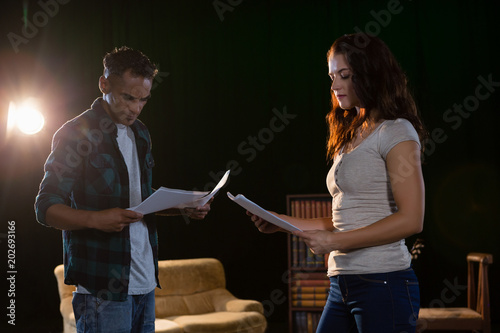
(30, 121)
(27, 118)
(11, 119)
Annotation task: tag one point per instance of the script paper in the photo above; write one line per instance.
(261, 212)
(166, 198)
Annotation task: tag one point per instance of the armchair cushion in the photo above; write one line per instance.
(221, 322)
(215, 300)
(194, 296)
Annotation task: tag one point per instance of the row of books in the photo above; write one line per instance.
(301, 256)
(309, 289)
(311, 208)
(305, 322)
(309, 284)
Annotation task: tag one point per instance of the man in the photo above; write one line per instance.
(100, 164)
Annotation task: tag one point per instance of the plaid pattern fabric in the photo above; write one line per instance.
(86, 170)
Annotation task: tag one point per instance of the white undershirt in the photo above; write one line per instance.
(142, 271)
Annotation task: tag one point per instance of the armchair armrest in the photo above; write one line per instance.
(244, 305)
(66, 309)
(223, 300)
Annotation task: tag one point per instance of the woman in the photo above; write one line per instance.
(377, 192)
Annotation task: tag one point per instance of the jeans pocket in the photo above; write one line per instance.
(79, 310)
(413, 291)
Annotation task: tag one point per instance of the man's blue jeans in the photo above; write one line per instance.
(372, 303)
(94, 315)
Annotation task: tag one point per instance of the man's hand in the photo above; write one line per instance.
(113, 220)
(197, 213)
(109, 220)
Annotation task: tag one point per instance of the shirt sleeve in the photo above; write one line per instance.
(61, 170)
(395, 132)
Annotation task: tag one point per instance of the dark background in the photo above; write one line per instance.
(221, 76)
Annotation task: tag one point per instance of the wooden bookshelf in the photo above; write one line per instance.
(308, 283)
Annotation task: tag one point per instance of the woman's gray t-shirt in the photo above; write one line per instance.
(361, 195)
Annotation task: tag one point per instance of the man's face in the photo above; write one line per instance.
(125, 96)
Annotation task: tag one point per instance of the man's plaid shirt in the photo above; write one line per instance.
(86, 170)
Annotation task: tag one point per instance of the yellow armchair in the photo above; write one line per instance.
(66, 308)
(194, 296)
(193, 299)
(66, 296)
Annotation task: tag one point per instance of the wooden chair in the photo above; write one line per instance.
(476, 316)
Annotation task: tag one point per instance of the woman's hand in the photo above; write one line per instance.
(263, 226)
(319, 241)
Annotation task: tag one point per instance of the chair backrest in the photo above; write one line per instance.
(189, 286)
(478, 296)
(177, 277)
(190, 276)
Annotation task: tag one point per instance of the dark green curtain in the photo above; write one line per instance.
(244, 85)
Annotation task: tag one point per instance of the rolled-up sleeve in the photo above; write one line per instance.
(61, 170)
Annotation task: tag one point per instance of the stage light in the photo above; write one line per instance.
(26, 118)
(30, 121)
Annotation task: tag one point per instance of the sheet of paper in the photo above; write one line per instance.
(217, 187)
(166, 198)
(261, 212)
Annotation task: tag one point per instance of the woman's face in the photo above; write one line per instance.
(341, 75)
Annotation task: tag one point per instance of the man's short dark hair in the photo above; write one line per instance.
(124, 58)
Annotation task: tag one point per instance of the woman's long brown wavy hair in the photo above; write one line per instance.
(379, 83)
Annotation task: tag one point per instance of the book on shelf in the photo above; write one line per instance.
(306, 322)
(309, 303)
(308, 207)
(311, 208)
(310, 290)
(303, 257)
(310, 275)
(309, 284)
(306, 283)
(309, 296)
